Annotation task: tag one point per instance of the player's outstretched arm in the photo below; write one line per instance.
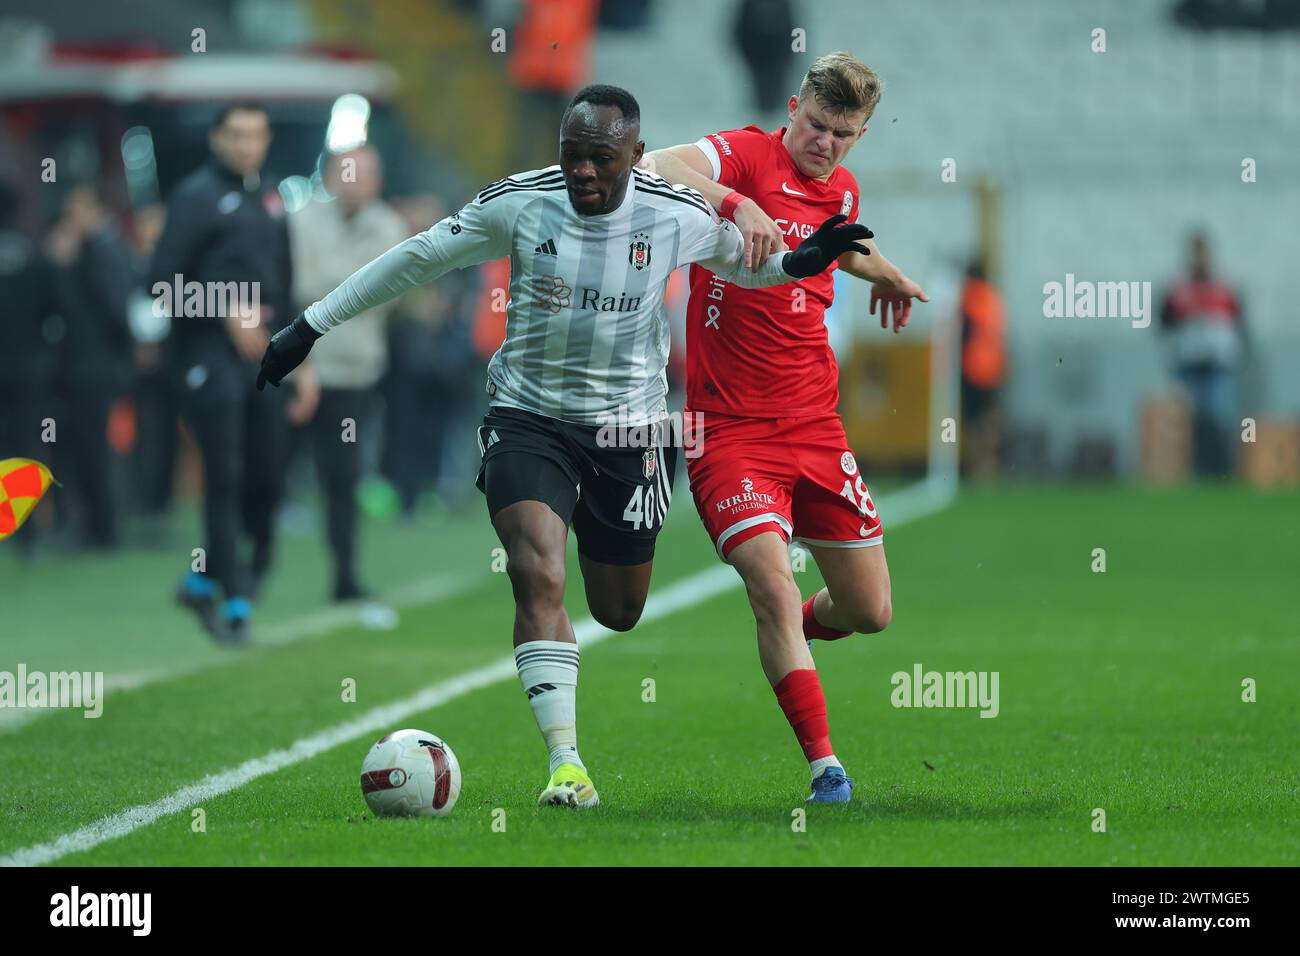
(287, 350)
(688, 166)
(891, 290)
(831, 240)
(815, 254)
(380, 280)
(475, 234)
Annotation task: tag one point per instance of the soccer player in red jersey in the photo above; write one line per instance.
(774, 463)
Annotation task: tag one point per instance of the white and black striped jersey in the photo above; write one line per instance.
(586, 330)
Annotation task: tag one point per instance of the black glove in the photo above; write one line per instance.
(285, 351)
(824, 246)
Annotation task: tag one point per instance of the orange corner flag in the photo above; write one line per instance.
(22, 482)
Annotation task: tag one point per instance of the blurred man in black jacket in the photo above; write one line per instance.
(92, 281)
(27, 360)
(223, 268)
(157, 433)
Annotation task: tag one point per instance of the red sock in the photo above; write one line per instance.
(813, 630)
(800, 695)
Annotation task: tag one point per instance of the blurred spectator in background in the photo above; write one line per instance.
(548, 63)
(764, 38)
(226, 224)
(434, 386)
(1203, 325)
(1237, 14)
(490, 308)
(624, 14)
(983, 369)
(330, 241)
(27, 358)
(155, 401)
(93, 280)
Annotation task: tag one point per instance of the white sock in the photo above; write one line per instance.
(549, 672)
(822, 764)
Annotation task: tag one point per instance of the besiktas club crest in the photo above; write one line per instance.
(638, 251)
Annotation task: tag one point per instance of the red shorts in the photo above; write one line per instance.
(792, 475)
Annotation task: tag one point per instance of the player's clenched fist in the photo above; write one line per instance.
(287, 349)
(828, 243)
(762, 236)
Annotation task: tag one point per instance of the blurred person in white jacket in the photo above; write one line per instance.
(331, 240)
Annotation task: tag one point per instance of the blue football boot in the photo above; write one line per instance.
(833, 786)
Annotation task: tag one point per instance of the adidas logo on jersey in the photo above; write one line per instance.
(547, 248)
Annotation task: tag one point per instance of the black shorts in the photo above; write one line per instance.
(615, 497)
(976, 402)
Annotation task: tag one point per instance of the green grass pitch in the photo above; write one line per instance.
(1119, 690)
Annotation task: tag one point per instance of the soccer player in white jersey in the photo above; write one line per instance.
(591, 244)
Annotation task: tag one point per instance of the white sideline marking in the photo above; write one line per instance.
(323, 621)
(914, 502)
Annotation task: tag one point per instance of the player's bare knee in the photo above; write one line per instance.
(617, 616)
(879, 619)
(773, 595)
(537, 579)
(872, 617)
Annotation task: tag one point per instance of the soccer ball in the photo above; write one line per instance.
(410, 773)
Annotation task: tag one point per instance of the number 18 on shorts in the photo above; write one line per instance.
(793, 476)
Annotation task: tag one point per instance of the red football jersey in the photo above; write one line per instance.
(764, 353)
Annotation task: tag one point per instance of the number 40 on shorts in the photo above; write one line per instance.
(640, 508)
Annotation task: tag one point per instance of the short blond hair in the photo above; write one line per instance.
(842, 83)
